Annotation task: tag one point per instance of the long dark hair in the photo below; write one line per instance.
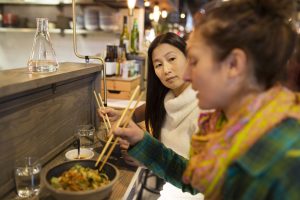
(293, 69)
(155, 111)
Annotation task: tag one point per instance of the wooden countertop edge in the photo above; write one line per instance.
(19, 80)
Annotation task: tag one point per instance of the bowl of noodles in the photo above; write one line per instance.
(80, 179)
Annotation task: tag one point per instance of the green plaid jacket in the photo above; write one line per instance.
(266, 171)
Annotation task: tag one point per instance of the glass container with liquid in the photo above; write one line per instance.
(27, 177)
(42, 58)
(134, 38)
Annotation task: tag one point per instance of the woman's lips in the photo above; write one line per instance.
(171, 78)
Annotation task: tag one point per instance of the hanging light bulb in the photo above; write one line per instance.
(156, 13)
(151, 16)
(131, 5)
(182, 15)
(164, 14)
(156, 8)
(147, 3)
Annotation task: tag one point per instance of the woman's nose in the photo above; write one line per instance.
(167, 68)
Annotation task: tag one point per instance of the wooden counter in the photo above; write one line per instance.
(19, 80)
(39, 113)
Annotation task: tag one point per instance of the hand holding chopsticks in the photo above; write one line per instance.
(125, 124)
(105, 119)
(117, 126)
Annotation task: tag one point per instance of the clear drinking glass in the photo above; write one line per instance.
(42, 58)
(86, 134)
(27, 176)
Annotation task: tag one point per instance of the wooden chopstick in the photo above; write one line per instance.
(106, 116)
(106, 126)
(117, 125)
(125, 125)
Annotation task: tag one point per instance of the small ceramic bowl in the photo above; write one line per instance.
(84, 154)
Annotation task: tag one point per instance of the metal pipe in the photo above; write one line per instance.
(87, 58)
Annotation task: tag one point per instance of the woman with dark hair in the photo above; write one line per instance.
(171, 109)
(293, 69)
(236, 56)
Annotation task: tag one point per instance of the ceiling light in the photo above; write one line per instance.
(156, 13)
(164, 14)
(151, 16)
(131, 5)
(147, 3)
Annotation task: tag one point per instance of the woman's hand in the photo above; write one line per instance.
(132, 134)
(113, 115)
(129, 160)
(124, 145)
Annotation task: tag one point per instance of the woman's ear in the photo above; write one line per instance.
(236, 63)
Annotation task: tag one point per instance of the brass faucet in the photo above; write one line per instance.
(87, 58)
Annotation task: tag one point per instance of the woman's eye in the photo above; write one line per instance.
(192, 62)
(157, 65)
(172, 59)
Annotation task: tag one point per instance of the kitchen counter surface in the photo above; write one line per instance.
(19, 80)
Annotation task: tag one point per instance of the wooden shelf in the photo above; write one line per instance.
(44, 2)
(110, 3)
(60, 31)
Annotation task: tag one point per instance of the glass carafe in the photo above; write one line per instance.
(42, 58)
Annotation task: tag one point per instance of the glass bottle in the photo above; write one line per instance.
(42, 58)
(124, 65)
(134, 43)
(1, 17)
(119, 61)
(116, 58)
(124, 38)
(110, 62)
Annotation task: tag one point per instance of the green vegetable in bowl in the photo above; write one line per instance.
(80, 178)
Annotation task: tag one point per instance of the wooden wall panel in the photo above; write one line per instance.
(41, 122)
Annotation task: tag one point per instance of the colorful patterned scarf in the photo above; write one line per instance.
(224, 141)
(208, 122)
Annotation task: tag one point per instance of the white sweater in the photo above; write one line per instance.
(181, 122)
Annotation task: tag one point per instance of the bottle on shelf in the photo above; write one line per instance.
(116, 59)
(124, 38)
(110, 62)
(1, 17)
(134, 42)
(124, 64)
(118, 56)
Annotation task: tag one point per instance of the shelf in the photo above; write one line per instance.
(63, 31)
(44, 2)
(110, 3)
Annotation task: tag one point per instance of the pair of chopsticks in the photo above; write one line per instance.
(117, 126)
(101, 105)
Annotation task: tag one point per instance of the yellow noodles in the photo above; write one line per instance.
(80, 178)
